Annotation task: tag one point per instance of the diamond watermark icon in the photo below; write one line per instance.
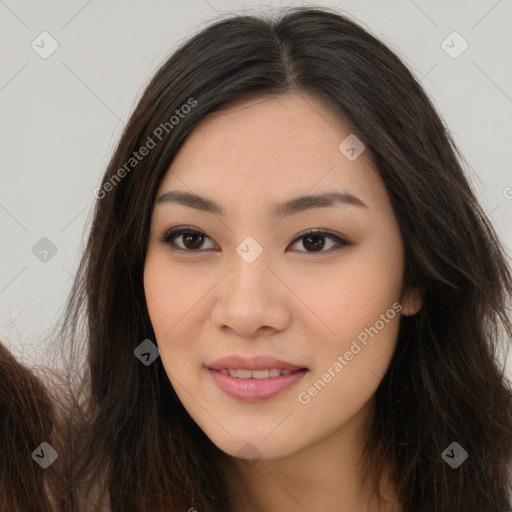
(249, 250)
(44, 45)
(249, 453)
(454, 45)
(45, 455)
(351, 147)
(44, 250)
(454, 455)
(146, 352)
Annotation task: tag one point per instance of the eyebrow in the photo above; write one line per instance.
(296, 205)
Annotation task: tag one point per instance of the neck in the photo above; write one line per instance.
(324, 476)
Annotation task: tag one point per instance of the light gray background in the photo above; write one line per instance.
(61, 116)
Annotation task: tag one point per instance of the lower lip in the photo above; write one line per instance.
(255, 390)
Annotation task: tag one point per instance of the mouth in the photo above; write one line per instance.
(254, 379)
(241, 373)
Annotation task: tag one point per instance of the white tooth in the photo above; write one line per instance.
(275, 372)
(233, 373)
(260, 374)
(224, 371)
(286, 372)
(244, 374)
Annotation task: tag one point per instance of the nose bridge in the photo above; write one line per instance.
(248, 298)
(249, 275)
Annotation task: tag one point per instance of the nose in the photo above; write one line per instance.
(251, 300)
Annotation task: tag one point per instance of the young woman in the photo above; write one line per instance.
(293, 300)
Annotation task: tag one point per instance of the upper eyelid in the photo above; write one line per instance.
(180, 229)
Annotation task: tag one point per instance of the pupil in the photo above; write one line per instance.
(195, 245)
(318, 245)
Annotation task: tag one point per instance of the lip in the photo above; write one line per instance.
(254, 390)
(261, 362)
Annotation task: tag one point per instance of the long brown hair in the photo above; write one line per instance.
(444, 383)
(31, 478)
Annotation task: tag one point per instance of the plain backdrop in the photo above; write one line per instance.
(71, 73)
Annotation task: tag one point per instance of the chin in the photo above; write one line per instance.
(253, 448)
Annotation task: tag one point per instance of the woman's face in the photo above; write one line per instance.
(274, 340)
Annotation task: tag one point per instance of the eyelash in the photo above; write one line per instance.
(168, 239)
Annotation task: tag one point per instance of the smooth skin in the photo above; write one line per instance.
(295, 303)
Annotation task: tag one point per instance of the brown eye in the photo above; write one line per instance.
(315, 241)
(191, 239)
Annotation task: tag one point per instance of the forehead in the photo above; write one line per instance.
(271, 148)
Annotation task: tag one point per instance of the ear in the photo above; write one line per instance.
(412, 301)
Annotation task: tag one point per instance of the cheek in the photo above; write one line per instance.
(170, 292)
(358, 305)
(350, 297)
(350, 365)
(159, 299)
(176, 311)
(164, 306)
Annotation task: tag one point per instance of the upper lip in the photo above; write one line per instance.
(261, 362)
